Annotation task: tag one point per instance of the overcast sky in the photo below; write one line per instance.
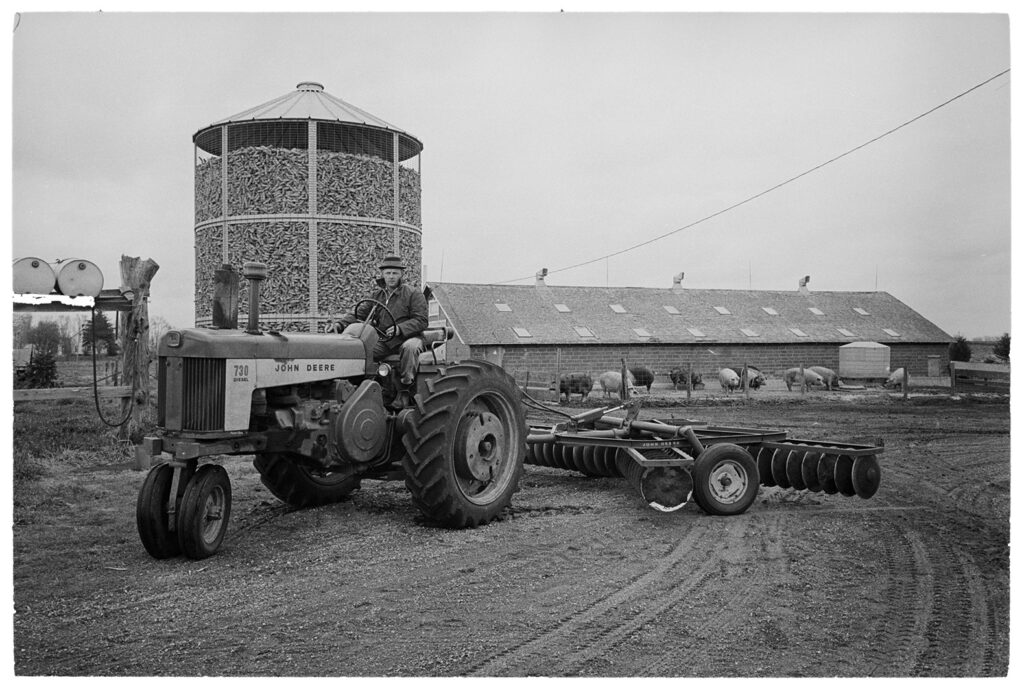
(554, 139)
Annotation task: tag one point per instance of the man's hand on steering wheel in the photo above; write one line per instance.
(385, 334)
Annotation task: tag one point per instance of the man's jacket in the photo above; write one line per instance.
(405, 303)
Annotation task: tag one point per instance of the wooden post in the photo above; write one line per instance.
(952, 377)
(906, 379)
(746, 386)
(803, 381)
(558, 375)
(689, 380)
(624, 383)
(136, 276)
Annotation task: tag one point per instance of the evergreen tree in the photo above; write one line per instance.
(960, 349)
(1002, 347)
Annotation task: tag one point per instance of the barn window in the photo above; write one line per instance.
(770, 311)
(617, 308)
(642, 332)
(722, 310)
(798, 332)
(844, 331)
(671, 309)
(861, 311)
(562, 308)
(891, 332)
(522, 332)
(433, 309)
(696, 332)
(502, 307)
(816, 311)
(748, 332)
(583, 332)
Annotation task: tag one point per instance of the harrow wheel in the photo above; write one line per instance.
(866, 475)
(844, 475)
(794, 466)
(827, 474)
(151, 513)
(809, 471)
(779, 468)
(466, 445)
(764, 466)
(299, 485)
(204, 512)
(725, 480)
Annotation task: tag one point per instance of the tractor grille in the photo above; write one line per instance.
(191, 394)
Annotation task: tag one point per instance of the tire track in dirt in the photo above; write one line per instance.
(771, 562)
(527, 656)
(939, 622)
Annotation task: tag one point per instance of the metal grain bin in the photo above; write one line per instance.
(320, 222)
(863, 360)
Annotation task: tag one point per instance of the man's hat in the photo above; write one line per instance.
(392, 262)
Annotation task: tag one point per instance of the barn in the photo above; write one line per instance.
(541, 329)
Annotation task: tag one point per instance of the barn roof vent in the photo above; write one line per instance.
(677, 282)
(540, 275)
(803, 284)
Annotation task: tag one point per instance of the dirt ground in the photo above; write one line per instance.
(579, 578)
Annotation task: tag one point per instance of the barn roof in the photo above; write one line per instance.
(542, 314)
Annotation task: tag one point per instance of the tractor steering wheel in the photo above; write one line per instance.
(382, 333)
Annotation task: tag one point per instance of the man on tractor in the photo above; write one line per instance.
(401, 336)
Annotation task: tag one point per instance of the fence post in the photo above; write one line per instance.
(689, 380)
(906, 379)
(952, 377)
(746, 386)
(803, 381)
(558, 373)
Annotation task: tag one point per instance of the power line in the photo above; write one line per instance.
(770, 189)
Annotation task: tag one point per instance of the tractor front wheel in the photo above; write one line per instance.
(466, 446)
(204, 512)
(151, 516)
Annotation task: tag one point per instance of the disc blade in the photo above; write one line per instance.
(809, 471)
(826, 474)
(843, 475)
(779, 468)
(867, 475)
(793, 469)
(764, 466)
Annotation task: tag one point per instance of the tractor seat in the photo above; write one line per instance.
(433, 338)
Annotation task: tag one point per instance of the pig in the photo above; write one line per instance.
(575, 384)
(643, 376)
(755, 379)
(729, 379)
(828, 375)
(895, 379)
(678, 377)
(611, 381)
(792, 376)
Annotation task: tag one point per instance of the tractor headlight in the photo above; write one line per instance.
(173, 339)
(383, 370)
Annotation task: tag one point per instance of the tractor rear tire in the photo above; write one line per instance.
(294, 483)
(204, 512)
(151, 513)
(725, 480)
(466, 445)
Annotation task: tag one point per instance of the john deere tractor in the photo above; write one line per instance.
(318, 415)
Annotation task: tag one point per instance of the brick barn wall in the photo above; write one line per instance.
(542, 361)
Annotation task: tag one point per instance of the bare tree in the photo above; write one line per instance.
(158, 326)
(22, 324)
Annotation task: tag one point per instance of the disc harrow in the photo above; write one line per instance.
(668, 463)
